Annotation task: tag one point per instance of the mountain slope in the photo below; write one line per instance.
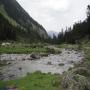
(19, 18)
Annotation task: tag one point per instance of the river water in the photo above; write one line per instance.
(20, 64)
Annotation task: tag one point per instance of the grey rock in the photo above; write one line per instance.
(61, 64)
(34, 56)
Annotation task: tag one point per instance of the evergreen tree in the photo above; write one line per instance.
(79, 31)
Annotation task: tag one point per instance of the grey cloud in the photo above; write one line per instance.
(54, 17)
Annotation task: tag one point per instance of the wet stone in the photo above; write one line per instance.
(61, 64)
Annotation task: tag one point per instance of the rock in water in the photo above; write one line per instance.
(35, 56)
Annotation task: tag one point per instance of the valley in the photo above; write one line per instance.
(32, 58)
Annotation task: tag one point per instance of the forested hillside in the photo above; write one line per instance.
(16, 24)
(79, 31)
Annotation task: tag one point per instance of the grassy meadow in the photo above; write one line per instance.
(35, 81)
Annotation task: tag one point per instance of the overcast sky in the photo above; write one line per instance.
(56, 14)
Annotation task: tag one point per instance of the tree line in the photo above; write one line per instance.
(7, 31)
(76, 33)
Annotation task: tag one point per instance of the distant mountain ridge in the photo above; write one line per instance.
(51, 33)
(19, 18)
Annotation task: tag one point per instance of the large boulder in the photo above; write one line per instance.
(35, 56)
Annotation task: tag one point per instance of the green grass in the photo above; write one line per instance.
(26, 49)
(35, 81)
(67, 46)
(20, 50)
(86, 48)
(87, 55)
